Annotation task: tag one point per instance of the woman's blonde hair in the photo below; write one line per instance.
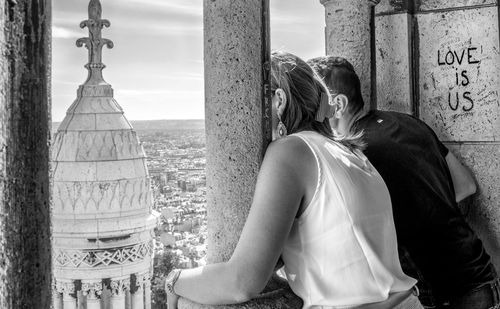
(303, 89)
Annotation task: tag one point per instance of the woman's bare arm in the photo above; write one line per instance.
(286, 170)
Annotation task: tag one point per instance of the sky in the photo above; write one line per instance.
(156, 65)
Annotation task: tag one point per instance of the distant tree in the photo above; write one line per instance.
(162, 265)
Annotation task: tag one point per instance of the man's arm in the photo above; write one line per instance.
(463, 181)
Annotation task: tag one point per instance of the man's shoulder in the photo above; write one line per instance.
(402, 120)
(396, 116)
(388, 129)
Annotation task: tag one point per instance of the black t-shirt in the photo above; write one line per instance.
(429, 225)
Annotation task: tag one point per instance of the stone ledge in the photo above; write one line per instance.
(277, 295)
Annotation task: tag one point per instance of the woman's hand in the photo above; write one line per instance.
(172, 300)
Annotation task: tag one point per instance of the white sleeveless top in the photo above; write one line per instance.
(342, 251)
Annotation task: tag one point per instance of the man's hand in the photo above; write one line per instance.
(463, 181)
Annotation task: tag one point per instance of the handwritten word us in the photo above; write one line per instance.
(458, 58)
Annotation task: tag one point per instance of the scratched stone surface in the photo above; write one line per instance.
(460, 73)
(25, 227)
(393, 63)
(483, 213)
(426, 5)
(347, 35)
(276, 295)
(392, 6)
(234, 118)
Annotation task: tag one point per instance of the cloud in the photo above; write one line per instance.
(184, 76)
(63, 82)
(186, 7)
(156, 67)
(154, 92)
(65, 33)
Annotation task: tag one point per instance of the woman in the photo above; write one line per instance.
(319, 204)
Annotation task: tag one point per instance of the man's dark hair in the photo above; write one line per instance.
(340, 77)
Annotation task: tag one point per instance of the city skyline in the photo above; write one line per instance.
(156, 66)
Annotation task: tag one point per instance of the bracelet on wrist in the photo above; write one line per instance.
(171, 280)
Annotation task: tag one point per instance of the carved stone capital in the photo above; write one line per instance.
(146, 277)
(92, 289)
(64, 287)
(119, 286)
(139, 280)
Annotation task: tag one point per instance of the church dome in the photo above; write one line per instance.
(102, 203)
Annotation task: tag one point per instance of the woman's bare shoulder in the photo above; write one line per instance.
(291, 147)
(291, 152)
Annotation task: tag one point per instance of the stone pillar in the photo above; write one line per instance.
(138, 298)
(25, 254)
(459, 82)
(138, 293)
(68, 291)
(348, 34)
(57, 299)
(237, 119)
(92, 290)
(147, 291)
(394, 49)
(118, 288)
(236, 116)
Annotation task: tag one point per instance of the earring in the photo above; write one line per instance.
(281, 128)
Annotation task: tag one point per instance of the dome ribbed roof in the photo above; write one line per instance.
(101, 188)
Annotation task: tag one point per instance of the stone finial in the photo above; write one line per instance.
(94, 43)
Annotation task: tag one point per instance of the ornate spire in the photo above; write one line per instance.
(94, 43)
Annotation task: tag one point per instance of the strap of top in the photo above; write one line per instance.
(305, 139)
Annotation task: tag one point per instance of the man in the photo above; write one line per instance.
(425, 181)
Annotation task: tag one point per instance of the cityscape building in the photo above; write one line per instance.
(176, 162)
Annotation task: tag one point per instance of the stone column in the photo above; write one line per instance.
(238, 122)
(25, 255)
(138, 293)
(394, 49)
(57, 297)
(147, 291)
(348, 34)
(236, 116)
(118, 288)
(68, 291)
(92, 290)
(128, 300)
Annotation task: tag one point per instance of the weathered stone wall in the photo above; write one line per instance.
(459, 84)
(446, 70)
(348, 35)
(25, 254)
(235, 116)
(393, 50)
